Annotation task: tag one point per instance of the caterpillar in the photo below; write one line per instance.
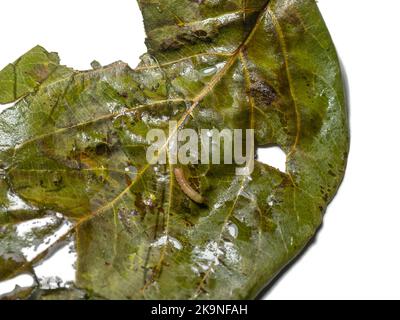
(186, 187)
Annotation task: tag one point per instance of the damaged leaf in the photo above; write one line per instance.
(73, 154)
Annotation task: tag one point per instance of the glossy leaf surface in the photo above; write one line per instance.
(73, 154)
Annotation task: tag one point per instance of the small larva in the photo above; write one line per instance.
(186, 187)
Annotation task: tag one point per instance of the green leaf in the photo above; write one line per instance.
(73, 150)
(26, 74)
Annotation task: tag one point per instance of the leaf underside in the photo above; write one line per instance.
(73, 154)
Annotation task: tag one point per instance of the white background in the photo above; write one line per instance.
(357, 253)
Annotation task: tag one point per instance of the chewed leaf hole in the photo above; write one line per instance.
(22, 281)
(272, 156)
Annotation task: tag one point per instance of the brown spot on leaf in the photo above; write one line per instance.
(102, 149)
(41, 72)
(201, 33)
(170, 44)
(263, 93)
